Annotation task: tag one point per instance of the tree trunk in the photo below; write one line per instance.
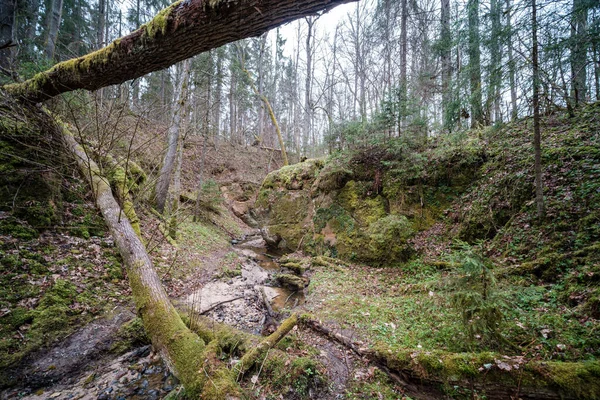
(101, 21)
(446, 38)
(310, 23)
(511, 64)
(474, 64)
(495, 70)
(181, 349)
(596, 55)
(271, 115)
(539, 195)
(174, 220)
(403, 97)
(578, 52)
(8, 9)
(178, 32)
(164, 178)
(262, 42)
(53, 26)
(218, 95)
(33, 14)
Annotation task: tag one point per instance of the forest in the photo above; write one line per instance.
(299, 199)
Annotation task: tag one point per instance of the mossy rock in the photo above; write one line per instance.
(296, 267)
(332, 177)
(294, 177)
(292, 282)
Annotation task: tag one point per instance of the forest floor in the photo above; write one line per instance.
(67, 325)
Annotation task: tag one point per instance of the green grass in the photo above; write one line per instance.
(410, 307)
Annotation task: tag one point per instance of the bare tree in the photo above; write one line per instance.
(539, 194)
(53, 27)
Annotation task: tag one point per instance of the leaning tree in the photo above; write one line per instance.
(184, 29)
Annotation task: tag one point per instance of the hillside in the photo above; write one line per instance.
(427, 272)
(472, 289)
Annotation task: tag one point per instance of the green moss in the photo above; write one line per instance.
(159, 23)
(355, 199)
(294, 177)
(130, 335)
(295, 376)
(292, 282)
(332, 177)
(581, 379)
(295, 267)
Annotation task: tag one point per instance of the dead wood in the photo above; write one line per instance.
(180, 31)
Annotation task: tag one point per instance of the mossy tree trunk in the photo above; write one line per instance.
(178, 32)
(271, 115)
(164, 178)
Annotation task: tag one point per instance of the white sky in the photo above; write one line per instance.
(325, 24)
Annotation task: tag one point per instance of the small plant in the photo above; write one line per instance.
(476, 299)
(211, 194)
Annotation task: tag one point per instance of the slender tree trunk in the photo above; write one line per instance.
(218, 94)
(178, 32)
(100, 24)
(262, 42)
(495, 70)
(164, 178)
(30, 32)
(511, 63)
(579, 52)
(446, 37)
(232, 99)
(271, 115)
(403, 95)
(474, 64)
(176, 192)
(310, 22)
(539, 195)
(53, 27)
(596, 69)
(8, 10)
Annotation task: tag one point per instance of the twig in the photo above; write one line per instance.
(260, 369)
(220, 304)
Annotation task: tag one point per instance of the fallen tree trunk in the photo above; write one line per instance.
(182, 30)
(183, 350)
(428, 374)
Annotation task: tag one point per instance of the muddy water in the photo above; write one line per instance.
(256, 248)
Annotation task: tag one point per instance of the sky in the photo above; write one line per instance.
(325, 24)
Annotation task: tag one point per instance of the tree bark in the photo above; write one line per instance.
(271, 115)
(495, 70)
(511, 64)
(164, 178)
(403, 95)
(474, 63)
(53, 27)
(161, 320)
(539, 195)
(8, 9)
(445, 36)
(579, 52)
(310, 23)
(178, 32)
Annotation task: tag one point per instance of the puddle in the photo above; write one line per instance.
(281, 298)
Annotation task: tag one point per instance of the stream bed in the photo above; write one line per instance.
(140, 374)
(236, 300)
